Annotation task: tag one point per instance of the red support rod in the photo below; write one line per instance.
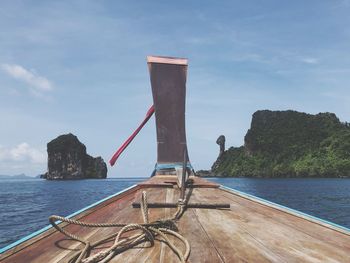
(132, 136)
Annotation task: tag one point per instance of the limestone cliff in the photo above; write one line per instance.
(67, 159)
(290, 144)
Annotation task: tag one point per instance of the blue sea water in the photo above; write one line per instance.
(25, 205)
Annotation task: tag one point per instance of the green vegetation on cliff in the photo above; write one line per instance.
(290, 144)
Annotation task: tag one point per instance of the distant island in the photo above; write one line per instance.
(288, 144)
(17, 176)
(67, 160)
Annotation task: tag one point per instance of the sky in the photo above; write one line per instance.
(80, 67)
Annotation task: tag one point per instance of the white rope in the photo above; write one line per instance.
(147, 233)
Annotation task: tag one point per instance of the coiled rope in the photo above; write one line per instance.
(148, 231)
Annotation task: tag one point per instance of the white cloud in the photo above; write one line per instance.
(38, 83)
(309, 60)
(23, 152)
(251, 57)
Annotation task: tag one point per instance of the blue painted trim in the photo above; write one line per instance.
(2, 250)
(287, 208)
(161, 166)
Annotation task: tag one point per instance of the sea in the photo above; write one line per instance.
(26, 204)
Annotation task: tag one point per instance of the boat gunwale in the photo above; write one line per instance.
(32, 238)
(48, 230)
(291, 211)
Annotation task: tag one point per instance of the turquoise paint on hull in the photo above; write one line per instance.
(4, 249)
(288, 209)
(162, 166)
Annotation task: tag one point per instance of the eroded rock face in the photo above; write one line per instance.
(67, 159)
(290, 144)
(221, 142)
(96, 168)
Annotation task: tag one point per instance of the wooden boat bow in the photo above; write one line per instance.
(252, 230)
(220, 224)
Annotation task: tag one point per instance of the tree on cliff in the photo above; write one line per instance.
(290, 144)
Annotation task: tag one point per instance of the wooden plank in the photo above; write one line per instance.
(143, 253)
(284, 241)
(167, 60)
(169, 181)
(57, 246)
(202, 249)
(249, 231)
(302, 224)
(47, 234)
(270, 205)
(131, 216)
(233, 243)
(163, 258)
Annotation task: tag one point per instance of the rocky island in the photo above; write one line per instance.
(67, 159)
(288, 144)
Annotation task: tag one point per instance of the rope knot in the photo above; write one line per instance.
(165, 223)
(146, 232)
(181, 202)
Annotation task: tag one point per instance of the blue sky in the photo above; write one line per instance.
(80, 67)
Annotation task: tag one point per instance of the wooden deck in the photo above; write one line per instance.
(250, 231)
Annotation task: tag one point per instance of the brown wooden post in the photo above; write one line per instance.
(168, 80)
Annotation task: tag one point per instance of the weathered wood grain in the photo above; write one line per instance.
(283, 239)
(169, 181)
(250, 231)
(202, 249)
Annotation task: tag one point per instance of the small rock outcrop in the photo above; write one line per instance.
(67, 159)
(221, 142)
